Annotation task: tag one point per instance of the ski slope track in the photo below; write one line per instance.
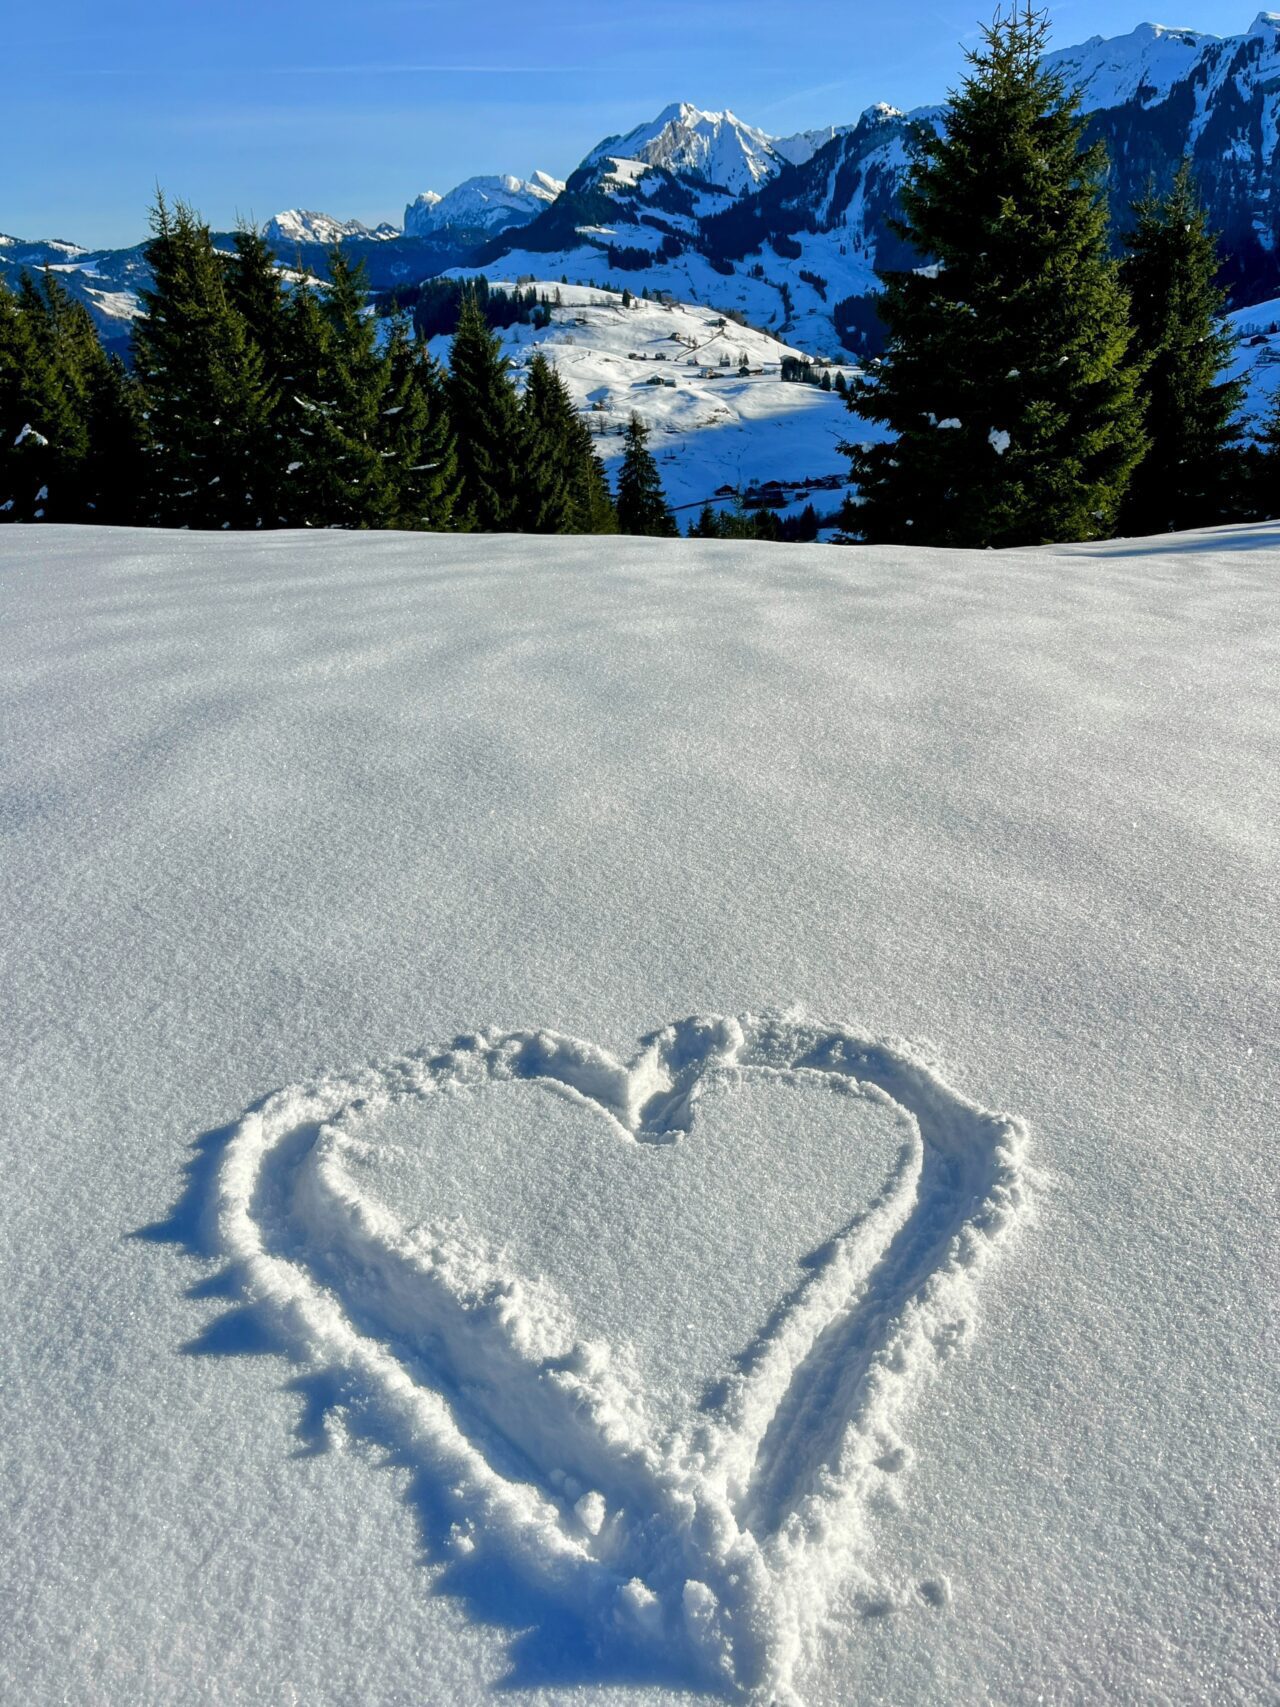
(715, 1543)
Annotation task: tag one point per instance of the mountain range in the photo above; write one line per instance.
(789, 231)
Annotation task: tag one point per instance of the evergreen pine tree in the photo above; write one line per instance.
(69, 427)
(1186, 478)
(306, 393)
(257, 292)
(549, 452)
(1262, 479)
(592, 508)
(707, 524)
(1007, 383)
(108, 476)
(807, 524)
(205, 394)
(417, 439)
(69, 352)
(116, 466)
(42, 414)
(27, 397)
(486, 417)
(642, 505)
(360, 488)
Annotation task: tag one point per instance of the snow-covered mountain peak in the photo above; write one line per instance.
(59, 244)
(486, 203)
(718, 148)
(1265, 24)
(1146, 62)
(301, 225)
(682, 112)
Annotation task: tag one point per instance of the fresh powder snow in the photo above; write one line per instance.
(609, 1119)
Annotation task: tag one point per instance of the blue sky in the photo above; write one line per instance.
(248, 106)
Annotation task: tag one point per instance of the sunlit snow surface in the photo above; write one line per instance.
(679, 367)
(424, 1374)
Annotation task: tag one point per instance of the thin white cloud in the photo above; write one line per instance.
(394, 70)
(344, 70)
(811, 93)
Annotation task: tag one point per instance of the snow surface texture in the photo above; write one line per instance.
(718, 1544)
(423, 1383)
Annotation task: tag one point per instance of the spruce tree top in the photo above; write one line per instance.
(487, 419)
(1007, 383)
(1189, 475)
(642, 504)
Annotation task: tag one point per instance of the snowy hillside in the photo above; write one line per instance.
(678, 366)
(1257, 360)
(1143, 65)
(107, 283)
(690, 277)
(406, 1300)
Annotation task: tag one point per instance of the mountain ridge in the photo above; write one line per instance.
(790, 231)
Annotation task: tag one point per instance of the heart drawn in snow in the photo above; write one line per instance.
(716, 1541)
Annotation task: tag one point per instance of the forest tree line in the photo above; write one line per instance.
(1034, 388)
(259, 400)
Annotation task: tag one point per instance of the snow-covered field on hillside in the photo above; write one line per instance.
(1257, 361)
(677, 366)
(843, 265)
(604, 1120)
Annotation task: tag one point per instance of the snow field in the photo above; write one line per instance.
(1257, 361)
(839, 256)
(381, 1386)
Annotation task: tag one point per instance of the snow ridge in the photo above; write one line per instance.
(483, 203)
(718, 148)
(300, 225)
(717, 1543)
(1146, 62)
